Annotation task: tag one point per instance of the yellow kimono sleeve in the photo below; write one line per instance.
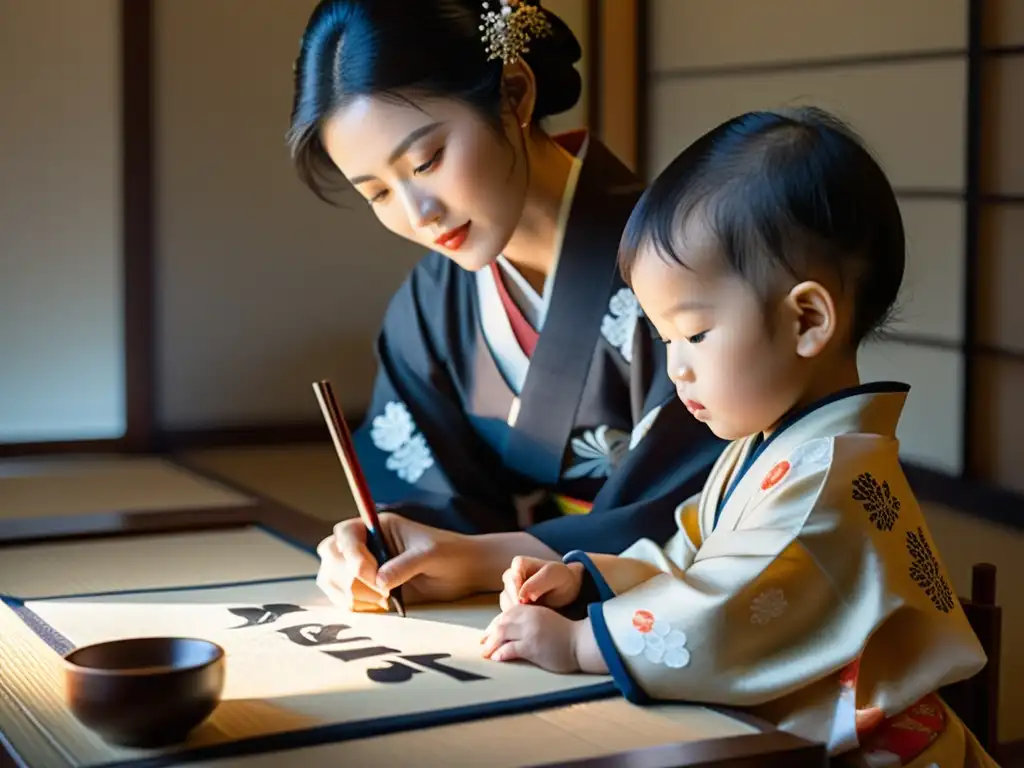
(751, 619)
(643, 560)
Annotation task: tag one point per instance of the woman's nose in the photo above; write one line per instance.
(424, 210)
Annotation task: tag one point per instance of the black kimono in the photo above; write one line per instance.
(574, 435)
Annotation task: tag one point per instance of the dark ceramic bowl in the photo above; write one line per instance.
(144, 692)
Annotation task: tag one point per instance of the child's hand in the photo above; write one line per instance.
(535, 634)
(544, 582)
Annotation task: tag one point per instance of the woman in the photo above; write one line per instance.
(520, 406)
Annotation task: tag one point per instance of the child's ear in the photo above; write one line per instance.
(815, 317)
(520, 89)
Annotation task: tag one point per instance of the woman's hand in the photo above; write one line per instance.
(544, 582)
(430, 564)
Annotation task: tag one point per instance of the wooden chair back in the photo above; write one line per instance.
(976, 700)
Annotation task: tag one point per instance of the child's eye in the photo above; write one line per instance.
(697, 338)
(431, 162)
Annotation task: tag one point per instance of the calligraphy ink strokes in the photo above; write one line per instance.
(317, 635)
(300, 663)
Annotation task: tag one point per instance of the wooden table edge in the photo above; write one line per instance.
(771, 747)
(785, 750)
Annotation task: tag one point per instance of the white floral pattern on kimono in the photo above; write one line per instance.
(813, 454)
(599, 452)
(657, 641)
(618, 326)
(806, 458)
(394, 432)
(768, 605)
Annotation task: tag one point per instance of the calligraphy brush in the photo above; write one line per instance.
(357, 482)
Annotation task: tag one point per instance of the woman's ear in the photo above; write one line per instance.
(519, 87)
(814, 311)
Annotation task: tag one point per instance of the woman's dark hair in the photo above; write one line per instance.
(406, 48)
(785, 191)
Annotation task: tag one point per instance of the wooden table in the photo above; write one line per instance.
(763, 745)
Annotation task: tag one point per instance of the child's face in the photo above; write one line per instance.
(731, 369)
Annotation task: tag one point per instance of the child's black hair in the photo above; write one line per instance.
(782, 190)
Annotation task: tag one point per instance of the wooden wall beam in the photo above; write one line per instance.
(620, 108)
(139, 210)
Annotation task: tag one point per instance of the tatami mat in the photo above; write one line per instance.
(171, 560)
(305, 477)
(88, 485)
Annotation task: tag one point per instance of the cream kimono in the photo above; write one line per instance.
(802, 584)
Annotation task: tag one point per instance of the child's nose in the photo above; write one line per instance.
(680, 372)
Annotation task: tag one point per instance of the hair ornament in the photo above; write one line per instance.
(508, 30)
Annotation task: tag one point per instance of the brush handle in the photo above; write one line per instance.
(345, 448)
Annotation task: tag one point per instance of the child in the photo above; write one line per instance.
(803, 582)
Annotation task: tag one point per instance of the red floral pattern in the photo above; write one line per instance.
(909, 733)
(643, 621)
(906, 734)
(775, 475)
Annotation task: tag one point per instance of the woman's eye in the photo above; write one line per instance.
(379, 197)
(431, 162)
(697, 338)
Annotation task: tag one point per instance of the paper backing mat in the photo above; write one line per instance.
(296, 664)
(32, 709)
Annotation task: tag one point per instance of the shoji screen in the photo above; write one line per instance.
(61, 262)
(897, 71)
(999, 357)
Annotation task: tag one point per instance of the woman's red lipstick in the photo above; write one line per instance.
(454, 238)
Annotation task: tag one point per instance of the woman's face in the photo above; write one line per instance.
(434, 173)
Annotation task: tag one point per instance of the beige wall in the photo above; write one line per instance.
(61, 325)
(262, 288)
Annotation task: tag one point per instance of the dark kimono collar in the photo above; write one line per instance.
(606, 192)
(877, 416)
